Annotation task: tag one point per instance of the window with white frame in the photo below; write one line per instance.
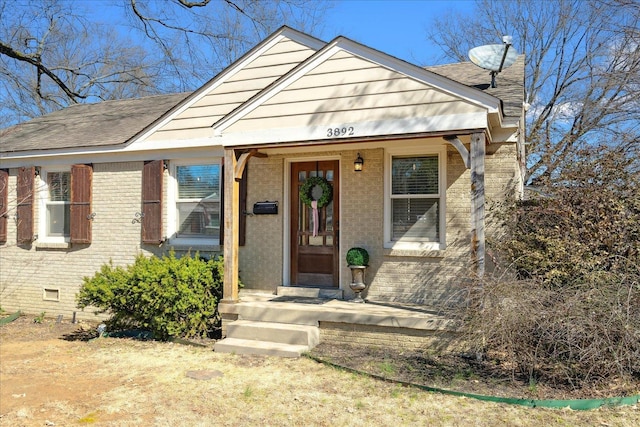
(414, 215)
(56, 204)
(197, 199)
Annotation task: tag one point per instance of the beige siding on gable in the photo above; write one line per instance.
(349, 89)
(196, 121)
(350, 116)
(287, 46)
(346, 77)
(400, 101)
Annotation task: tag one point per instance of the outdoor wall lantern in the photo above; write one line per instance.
(357, 165)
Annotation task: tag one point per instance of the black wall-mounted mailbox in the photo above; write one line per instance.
(265, 208)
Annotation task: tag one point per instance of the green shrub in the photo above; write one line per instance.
(357, 256)
(169, 296)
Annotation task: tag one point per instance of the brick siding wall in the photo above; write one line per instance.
(425, 278)
(260, 260)
(427, 341)
(25, 271)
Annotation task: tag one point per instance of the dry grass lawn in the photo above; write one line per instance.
(49, 380)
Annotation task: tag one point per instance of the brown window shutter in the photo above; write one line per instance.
(152, 177)
(81, 177)
(242, 221)
(4, 204)
(25, 194)
(222, 204)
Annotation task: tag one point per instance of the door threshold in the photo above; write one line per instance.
(311, 286)
(310, 292)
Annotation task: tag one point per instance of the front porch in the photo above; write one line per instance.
(289, 325)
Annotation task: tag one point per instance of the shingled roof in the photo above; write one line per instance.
(509, 83)
(117, 122)
(88, 125)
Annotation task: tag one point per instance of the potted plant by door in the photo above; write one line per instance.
(357, 260)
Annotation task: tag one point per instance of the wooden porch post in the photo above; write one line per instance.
(231, 224)
(478, 153)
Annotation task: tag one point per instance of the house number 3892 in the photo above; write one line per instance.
(342, 131)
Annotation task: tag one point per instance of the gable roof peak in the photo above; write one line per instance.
(367, 53)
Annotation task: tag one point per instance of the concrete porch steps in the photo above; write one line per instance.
(240, 346)
(268, 338)
(264, 323)
(283, 313)
(276, 332)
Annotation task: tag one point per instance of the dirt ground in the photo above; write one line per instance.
(61, 374)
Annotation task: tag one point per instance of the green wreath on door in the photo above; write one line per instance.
(307, 189)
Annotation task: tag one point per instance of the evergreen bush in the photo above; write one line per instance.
(357, 256)
(169, 296)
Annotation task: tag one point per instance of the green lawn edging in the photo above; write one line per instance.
(10, 318)
(575, 404)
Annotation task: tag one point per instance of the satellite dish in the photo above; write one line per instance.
(494, 57)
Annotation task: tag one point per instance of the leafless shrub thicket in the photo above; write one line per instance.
(564, 303)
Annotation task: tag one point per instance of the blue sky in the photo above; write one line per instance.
(395, 27)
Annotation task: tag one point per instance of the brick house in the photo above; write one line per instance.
(99, 182)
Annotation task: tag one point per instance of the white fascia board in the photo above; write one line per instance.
(505, 134)
(503, 130)
(157, 150)
(169, 144)
(234, 68)
(476, 97)
(450, 122)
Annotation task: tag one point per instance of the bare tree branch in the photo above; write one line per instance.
(36, 61)
(201, 3)
(582, 75)
(52, 55)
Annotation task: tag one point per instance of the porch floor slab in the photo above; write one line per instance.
(312, 311)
